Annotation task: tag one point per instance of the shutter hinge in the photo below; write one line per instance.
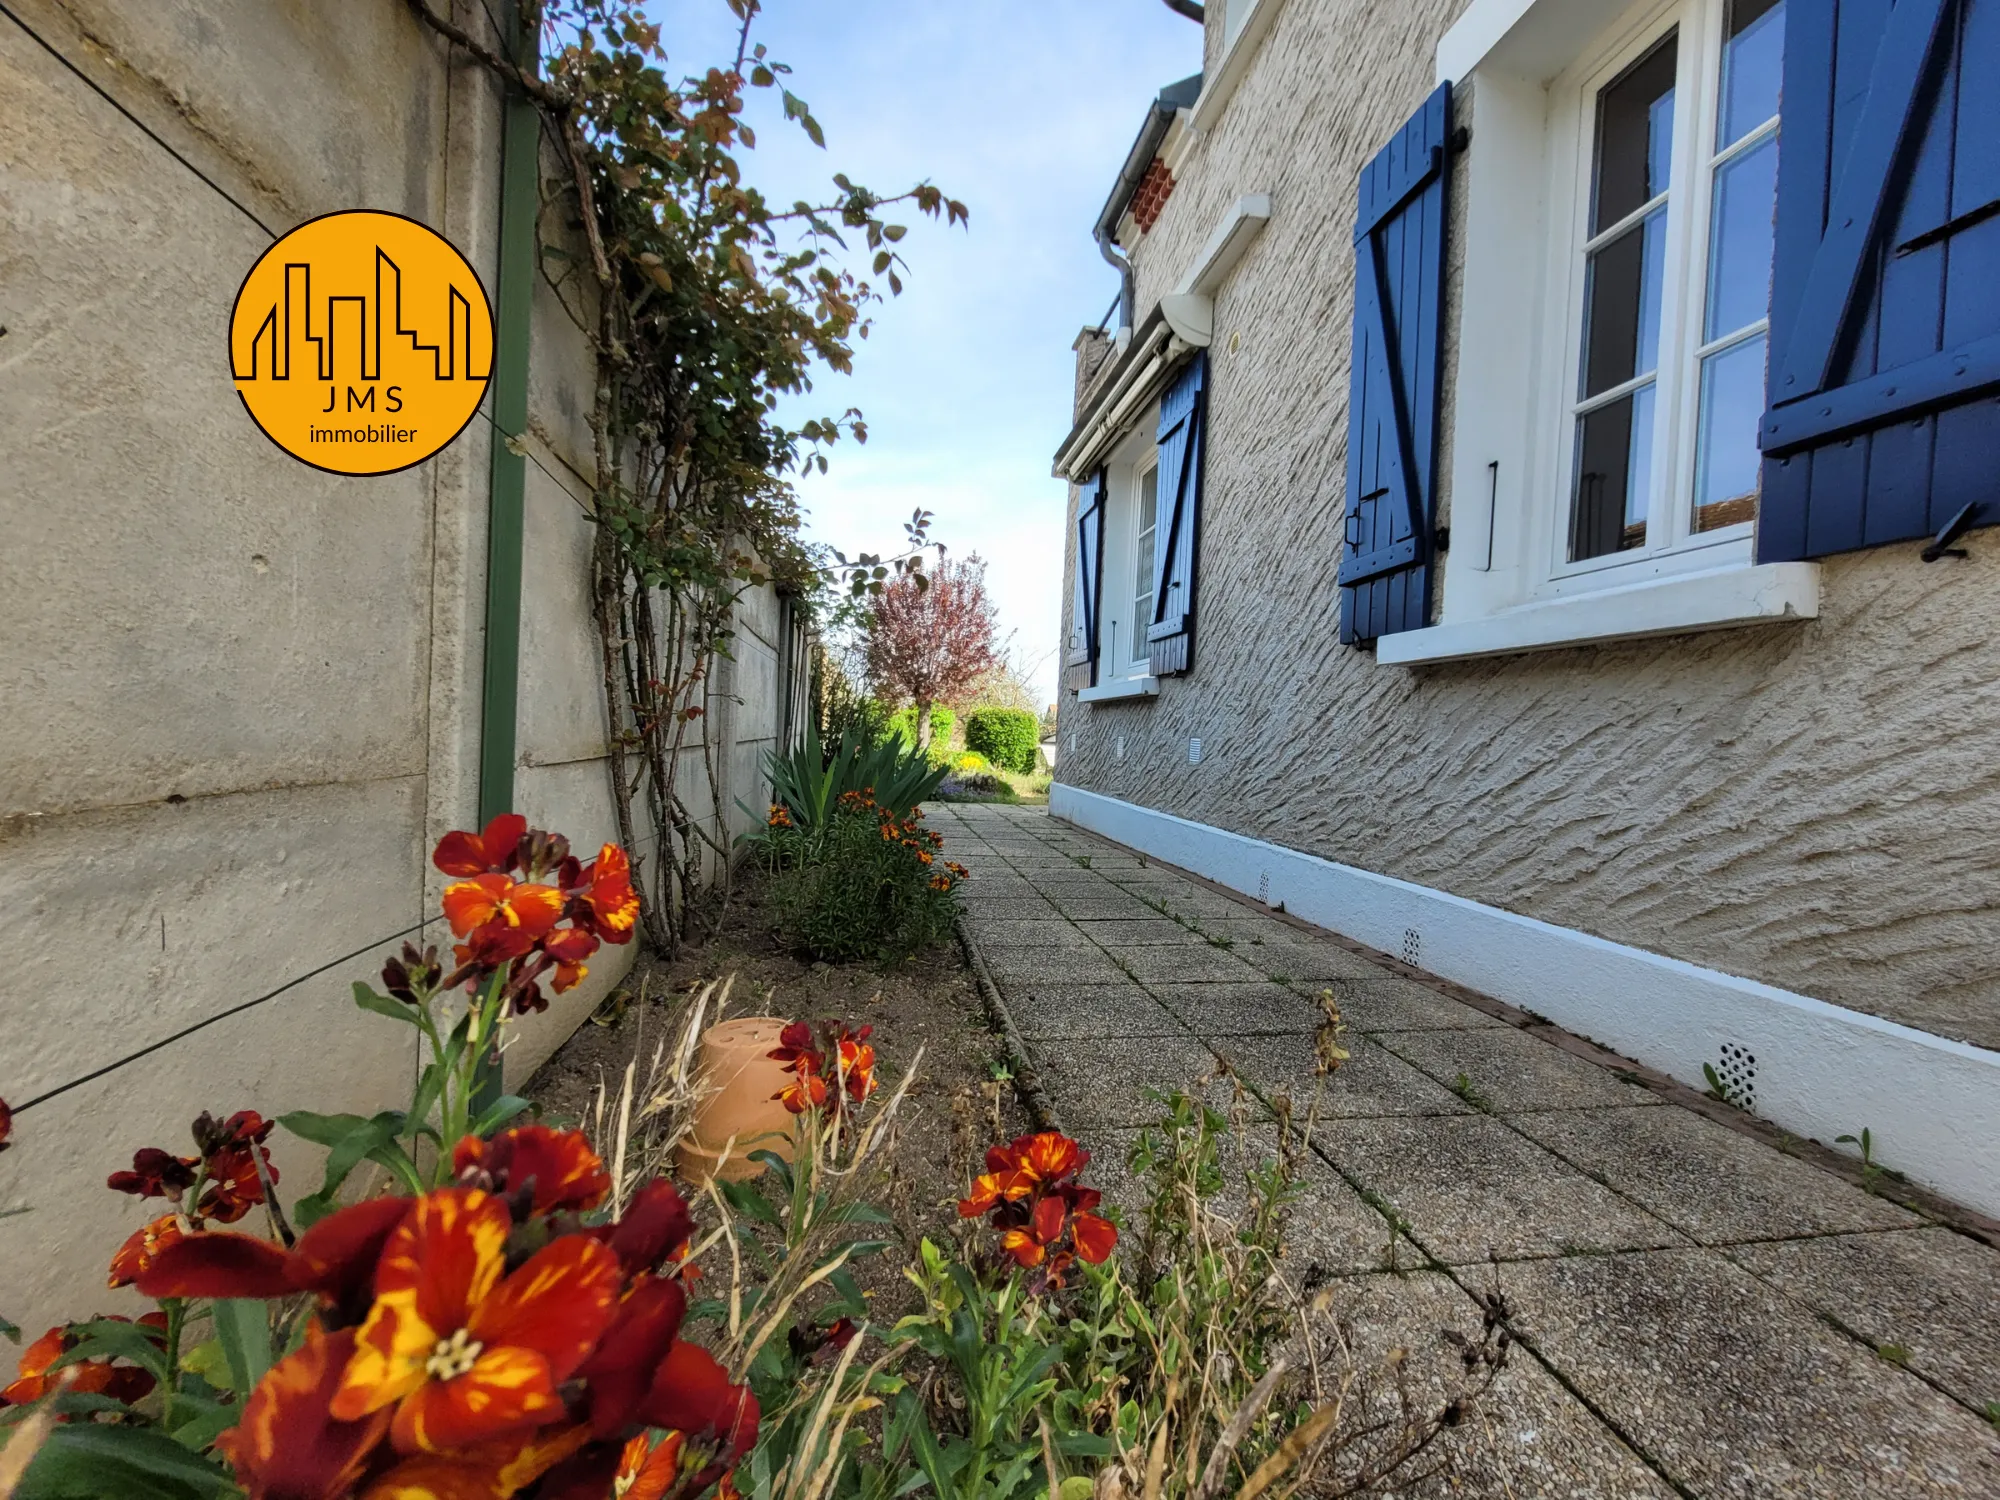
(1955, 528)
(1461, 139)
(1441, 538)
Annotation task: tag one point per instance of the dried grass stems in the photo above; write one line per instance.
(1212, 1370)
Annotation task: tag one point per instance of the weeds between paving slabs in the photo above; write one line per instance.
(538, 1311)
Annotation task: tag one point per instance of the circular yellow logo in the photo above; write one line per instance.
(361, 342)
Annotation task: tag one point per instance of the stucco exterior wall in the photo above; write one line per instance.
(244, 696)
(1811, 805)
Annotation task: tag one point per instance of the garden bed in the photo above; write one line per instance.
(930, 1002)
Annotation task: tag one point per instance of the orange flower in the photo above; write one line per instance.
(558, 1165)
(94, 1377)
(289, 1446)
(610, 905)
(491, 1471)
(646, 1469)
(940, 882)
(135, 1256)
(494, 852)
(1045, 1218)
(462, 1355)
(501, 919)
(233, 1185)
(569, 947)
(805, 1091)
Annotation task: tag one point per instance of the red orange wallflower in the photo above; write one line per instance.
(834, 1072)
(1046, 1219)
(6, 1125)
(532, 928)
(94, 1377)
(476, 1339)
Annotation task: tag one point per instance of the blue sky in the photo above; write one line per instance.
(1023, 111)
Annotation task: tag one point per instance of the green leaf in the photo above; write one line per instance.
(211, 1420)
(1086, 1445)
(429, 1087)
(105, 1339)
(397, 1160)
(243, 1328)
(498, 1113)
(90, 1461)
(384, 1005)
(1032, 1371)
(747, 1201)
(321, 1130)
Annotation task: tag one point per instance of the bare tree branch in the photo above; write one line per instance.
(1194, 10)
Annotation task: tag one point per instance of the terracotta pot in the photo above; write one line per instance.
(737, 1079)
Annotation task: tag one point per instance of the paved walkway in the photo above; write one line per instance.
(1707, 1315)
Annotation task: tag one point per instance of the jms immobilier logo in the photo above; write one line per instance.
(361, 342)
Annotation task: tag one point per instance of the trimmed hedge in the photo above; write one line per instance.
(1009, 737)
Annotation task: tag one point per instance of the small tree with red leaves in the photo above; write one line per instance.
(932, 640)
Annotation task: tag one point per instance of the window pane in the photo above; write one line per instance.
(1142, 585)
(1739, 256)
(1614, 474)
(1635, 137)
(1621, 310)
(1753, 57)
(1729, 466)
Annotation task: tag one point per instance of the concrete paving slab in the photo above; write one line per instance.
(1137, 931)
(1021, 968)
(1929, 1298)
(1513, 1071)
(1103, 908)
(1735, 1391)
(1372, 1082)
(1718, 1186)
(1192, 962)
(1394, 1004)
(1527, 1437)
(1059, 1011)
(1002, 906)
(1050, 931)
(1304, 960)
(1471, 1188)
(1100, 1083)
(1330, 1230)
(1223, 1011)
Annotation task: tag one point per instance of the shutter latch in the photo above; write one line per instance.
(1955, 528)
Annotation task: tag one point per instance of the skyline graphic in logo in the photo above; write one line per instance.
(361, 342)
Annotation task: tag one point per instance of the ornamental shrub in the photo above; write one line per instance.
(968, 761)
(871, 885)
(1008, 737)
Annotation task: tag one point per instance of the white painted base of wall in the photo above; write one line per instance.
(1933, 1105)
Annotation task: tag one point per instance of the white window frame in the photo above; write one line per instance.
(1509, 584)
(1120, 672)
(1141, 659)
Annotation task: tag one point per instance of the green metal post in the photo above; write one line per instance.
(520, 171)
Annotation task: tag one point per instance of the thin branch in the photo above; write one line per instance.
(530, 85)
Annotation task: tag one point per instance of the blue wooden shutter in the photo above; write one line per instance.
(1177, 521)
(1394, 385)
(1885, 307)
(1087, 581)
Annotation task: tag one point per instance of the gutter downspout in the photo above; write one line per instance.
(1170, 101)
(500, 698)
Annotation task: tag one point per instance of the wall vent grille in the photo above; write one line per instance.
(1413, 947)
(1264, 886)
(1736, 1066)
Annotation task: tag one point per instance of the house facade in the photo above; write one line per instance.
(1526, 515)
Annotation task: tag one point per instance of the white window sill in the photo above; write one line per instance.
(1714, 600)
(1120, 687)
